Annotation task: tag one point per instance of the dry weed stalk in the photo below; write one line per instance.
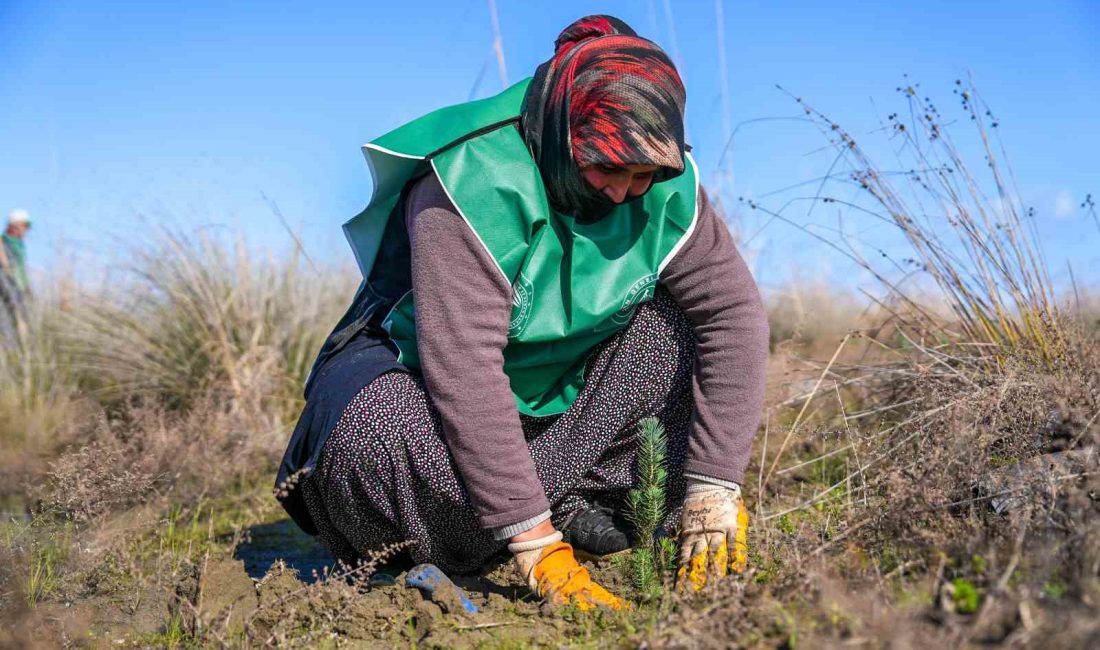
(981, 251)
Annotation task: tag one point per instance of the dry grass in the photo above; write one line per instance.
(195, 327)
(902, 511)
(942, 462)
(129, 407)
(964, 227)
(201, 315)
(40, 404)
(807, 313)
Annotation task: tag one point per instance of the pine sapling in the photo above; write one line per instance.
(646, 508)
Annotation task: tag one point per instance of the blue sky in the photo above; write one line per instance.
(118, 116)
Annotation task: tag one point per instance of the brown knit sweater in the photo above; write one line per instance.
(463, 306)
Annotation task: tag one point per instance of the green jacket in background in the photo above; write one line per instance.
(16, 251)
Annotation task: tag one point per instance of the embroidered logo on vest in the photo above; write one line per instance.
(639, 292)
(522, 296)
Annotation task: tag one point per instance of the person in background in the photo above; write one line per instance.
(14, 284)
(570, 278)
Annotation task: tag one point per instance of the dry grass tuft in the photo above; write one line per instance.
(964, 228)
(200, 316)
(95, 479)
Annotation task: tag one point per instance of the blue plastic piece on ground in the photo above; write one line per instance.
(428, 578)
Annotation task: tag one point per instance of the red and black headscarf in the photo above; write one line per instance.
(606, 97)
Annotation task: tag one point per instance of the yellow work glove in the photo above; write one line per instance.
(713, 534)
(553, 574)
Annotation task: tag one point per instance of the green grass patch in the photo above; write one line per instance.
(965, 596)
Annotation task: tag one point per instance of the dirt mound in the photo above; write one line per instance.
(291, 611)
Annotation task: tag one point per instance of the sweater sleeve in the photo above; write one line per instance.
(714, 287)
(463, 305)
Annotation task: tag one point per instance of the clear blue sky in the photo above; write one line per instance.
(121, 115)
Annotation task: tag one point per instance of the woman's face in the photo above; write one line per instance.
(618, 183)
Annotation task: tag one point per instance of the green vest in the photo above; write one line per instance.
(573, 284)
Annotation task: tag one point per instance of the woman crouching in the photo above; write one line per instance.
(542, 271)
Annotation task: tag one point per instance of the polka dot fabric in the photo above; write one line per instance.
(386, 475)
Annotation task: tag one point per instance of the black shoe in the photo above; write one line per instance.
(386, 574)
(593, 531)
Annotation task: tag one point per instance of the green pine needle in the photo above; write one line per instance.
(646, 508)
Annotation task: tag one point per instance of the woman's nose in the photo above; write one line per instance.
(616, 190)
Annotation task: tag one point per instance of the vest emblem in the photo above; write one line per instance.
(522, 297)
(639, 292)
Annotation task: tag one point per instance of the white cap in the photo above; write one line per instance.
(18, 216)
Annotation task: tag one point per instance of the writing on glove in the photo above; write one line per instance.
(713, 535)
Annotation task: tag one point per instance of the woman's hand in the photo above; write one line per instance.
(713, 534)
(552, 572)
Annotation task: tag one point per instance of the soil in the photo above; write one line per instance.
(228, 590)
(275, 587)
